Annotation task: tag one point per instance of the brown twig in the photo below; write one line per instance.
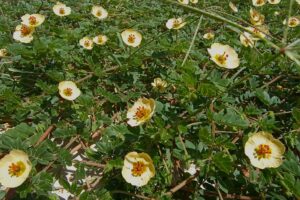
(182, 184)
(85, 78)
(91, 163)
(79, 146)
(218, 190)
(213, 125)
(44, 135)
(272, 81)
(164, 161)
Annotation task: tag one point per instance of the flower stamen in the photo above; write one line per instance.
(68, 92)
(32, 20)
(141, 112)
(16, 169)
(263, 151)
(61, 11)
(25, 30)
(221, 58)
(138, 168)
(131, 38)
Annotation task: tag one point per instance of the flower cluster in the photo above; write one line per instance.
(24, 31)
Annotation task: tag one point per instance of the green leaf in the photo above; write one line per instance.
(223, 162)
(231, 117)
(264, 97)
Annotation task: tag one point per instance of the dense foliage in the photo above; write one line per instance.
(204, 114)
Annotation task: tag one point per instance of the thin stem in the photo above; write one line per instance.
(218, 190)
(192, 42)
(286, 30)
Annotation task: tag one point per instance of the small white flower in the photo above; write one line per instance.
(14, 169)
(208, 36)
(264, 150)
(86, 43)
(224, 56)
(61, 9)
(100, 39)
(138, 169)
(131, 37)
(256, 18)
(99, 12)
(258, 32)
(258, 2)
(33, 20)
(247, 39)
(141, 111)
(192, 170)
(68, 90)
(292, 22)
(175, 23)
(159, 84)
(23, 33)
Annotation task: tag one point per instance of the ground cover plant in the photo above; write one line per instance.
(144, 99)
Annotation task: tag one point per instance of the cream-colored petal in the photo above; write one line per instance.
(39, 19)
(233, 7)
(274, 1)
(71, 85)
(184, 1)
(258, 3)
(99, 12)
(58, 7)
(13, 181)
(127, 34)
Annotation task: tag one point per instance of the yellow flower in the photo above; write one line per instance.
(138, 169)
(224, 56)
(68, 90)
(33, 20)
(131, 37)
(292, 22)
(194, 1)
(258, 2)
(233, 7)
(159, 84)
(61, 9)
(14, 169)
(256, 18)
(247, 39)
(86, 43)
(184, 1)
(100, 39)
(264, 151)
(174, 23)
(3, 53)
(23, 33)
(208, 36)
(258, 32)
(141, 111)
(274, 1)
(99, 12)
